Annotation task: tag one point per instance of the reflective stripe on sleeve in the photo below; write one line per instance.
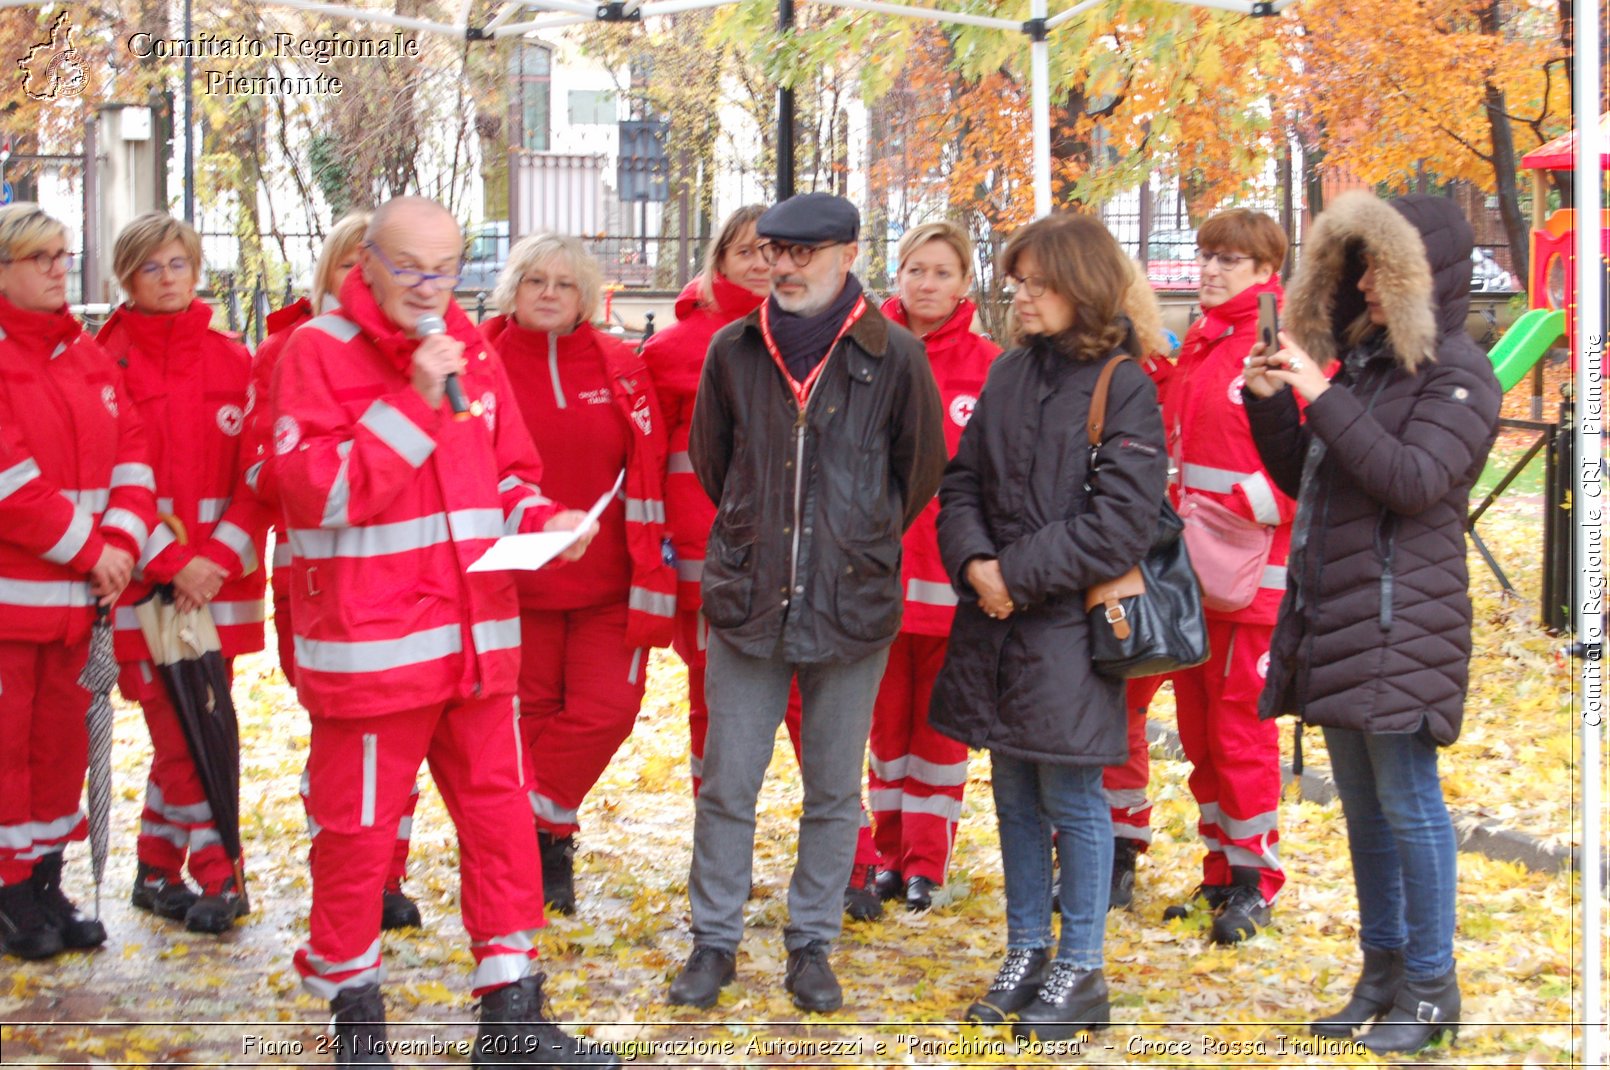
(210, 510)
(653, 603)
(164, 506)
(468, 525)
(1213, 480)
(378, 655)
(390, 426)
(490, 635)
(335, 506)
(1274, 577)
(928, 593)
(1265, 510)
(162, 538)
(73, 539)
(680, 464)
(282, 553)
(17, 476)
(95, 500)
(689, 571)
(127, 522)
(246, 612)
(240, 543)
(134, 475)
(645, 511)
(511, 526)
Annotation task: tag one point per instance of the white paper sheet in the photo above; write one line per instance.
(527, 553)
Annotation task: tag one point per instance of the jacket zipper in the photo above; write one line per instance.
(799, 493)
(553, 370)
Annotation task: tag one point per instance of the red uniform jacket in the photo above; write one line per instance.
(960, 360)
(260, 476)
(73, 474)
(651, 596)
(675, 357)
(193, 388)
(1211, 443)
(387, 502)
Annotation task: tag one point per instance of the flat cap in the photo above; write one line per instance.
(812, 218)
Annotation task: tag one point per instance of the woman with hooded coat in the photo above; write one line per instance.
(1373, 637)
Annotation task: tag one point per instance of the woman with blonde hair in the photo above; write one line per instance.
(1029, 516)
(192, 386)
(916, 775)
(586, 629)
(76, 506)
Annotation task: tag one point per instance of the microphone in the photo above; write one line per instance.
(424, 327)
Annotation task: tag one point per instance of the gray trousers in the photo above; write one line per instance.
(747, 697)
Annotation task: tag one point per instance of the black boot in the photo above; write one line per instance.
(809, 979)
(25, 929)
(707, 971)
(1422, 1011)
(215, 912)
(1124, 853)
(397, 911)
(1377, 987)
(1071, 1001)
(558, 871)
(861, 900)
(1243, 910)
(1014, 987)
(920, 894)
(162, 893)
(516, 1030)
(358, 1021)
(1209, 897)
(77, 932)
(890, 885)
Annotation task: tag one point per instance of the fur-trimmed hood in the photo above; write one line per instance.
(1420, 247)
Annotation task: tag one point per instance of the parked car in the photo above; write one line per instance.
(485, 253)
(1171, 260)
(1487, 275)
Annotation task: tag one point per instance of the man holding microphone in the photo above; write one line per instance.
(390, 494)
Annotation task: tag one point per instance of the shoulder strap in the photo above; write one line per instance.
(1097, 419)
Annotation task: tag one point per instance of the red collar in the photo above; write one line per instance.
(42, 331)
(358, 305)
(802, 391)
(959, 322)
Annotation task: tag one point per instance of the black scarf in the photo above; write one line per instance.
(804, 340)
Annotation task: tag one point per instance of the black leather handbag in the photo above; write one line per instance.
(1149, 621)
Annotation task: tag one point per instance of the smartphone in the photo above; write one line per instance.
(1268, 323)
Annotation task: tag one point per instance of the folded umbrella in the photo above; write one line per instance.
(99, 674)
(185, 649)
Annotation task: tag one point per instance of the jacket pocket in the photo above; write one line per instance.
(867, 595)
(728, 587)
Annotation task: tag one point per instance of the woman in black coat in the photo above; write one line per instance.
(1024, 528)
(1373, 639)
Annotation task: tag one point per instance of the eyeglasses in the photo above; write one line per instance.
(772, 251)
(46, 262)
(152, 269)
(1034, 285)
(1228, 261)
(542, 282)
(411, 278)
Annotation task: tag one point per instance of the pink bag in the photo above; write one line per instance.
(1228, 551)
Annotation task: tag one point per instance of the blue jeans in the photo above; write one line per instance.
(1405, 857)
(1031, 799)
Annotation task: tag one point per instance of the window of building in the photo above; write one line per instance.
(592, 107)
(529, 74)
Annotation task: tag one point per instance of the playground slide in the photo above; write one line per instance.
(1524, 344)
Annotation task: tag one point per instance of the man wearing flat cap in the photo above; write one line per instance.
(817, 433)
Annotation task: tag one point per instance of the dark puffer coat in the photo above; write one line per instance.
(1374, 630)
(1015, 491)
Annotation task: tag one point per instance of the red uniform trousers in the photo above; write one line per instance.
(692, 636)
(581, 688)
(287, 652)
(44, 752)
(360, 771)
(1235, 757)
(177, 822)
(917, 775)
(1125, 785)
